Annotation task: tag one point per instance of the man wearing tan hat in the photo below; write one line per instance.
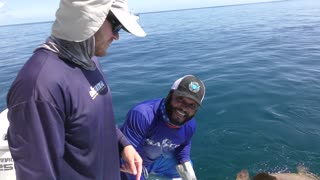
(60, 109)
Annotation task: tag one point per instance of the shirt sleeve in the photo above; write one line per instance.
(122, 140)
(36, 140)
(183, 151)
(135, 129)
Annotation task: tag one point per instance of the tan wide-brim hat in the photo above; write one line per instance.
(78, 20)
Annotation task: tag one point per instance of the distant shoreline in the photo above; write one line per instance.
(164, 11)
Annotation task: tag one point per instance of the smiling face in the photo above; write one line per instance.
(181, 109)
(103, 38)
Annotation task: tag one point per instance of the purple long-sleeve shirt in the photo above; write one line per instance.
(62, 122)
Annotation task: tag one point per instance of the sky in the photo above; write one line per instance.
(29, 11)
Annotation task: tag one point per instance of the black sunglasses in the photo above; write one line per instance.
(115, 23)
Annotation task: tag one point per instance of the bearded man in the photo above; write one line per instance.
(161, 130)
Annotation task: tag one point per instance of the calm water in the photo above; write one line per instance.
(260, 63)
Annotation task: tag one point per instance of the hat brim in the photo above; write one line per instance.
(184, 94)
(129, 21)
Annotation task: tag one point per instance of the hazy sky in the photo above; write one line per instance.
(26, 11)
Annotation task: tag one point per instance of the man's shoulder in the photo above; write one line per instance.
(148, 108)
(148, 104)
(190, 125)
(38, 77)
(42, 62)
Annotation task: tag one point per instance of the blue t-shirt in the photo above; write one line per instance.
(62, 122)
(148, 132)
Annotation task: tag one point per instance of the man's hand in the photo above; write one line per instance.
(133, 161)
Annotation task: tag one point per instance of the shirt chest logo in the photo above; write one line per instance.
(94, 91)
(164, 144)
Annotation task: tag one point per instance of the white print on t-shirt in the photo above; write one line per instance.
(94, 91)
(166, 143)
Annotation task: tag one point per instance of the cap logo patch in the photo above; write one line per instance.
(194, 87)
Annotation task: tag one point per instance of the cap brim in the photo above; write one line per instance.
(129, 21)
(181, 93)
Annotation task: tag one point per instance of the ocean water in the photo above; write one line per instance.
(260, 64)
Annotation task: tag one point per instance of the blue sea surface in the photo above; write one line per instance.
(260, 64)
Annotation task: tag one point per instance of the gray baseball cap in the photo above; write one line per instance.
(189, 86)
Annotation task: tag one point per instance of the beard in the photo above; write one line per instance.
(170, 109)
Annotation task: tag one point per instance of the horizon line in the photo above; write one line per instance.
(153, 12)
(208, 7)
